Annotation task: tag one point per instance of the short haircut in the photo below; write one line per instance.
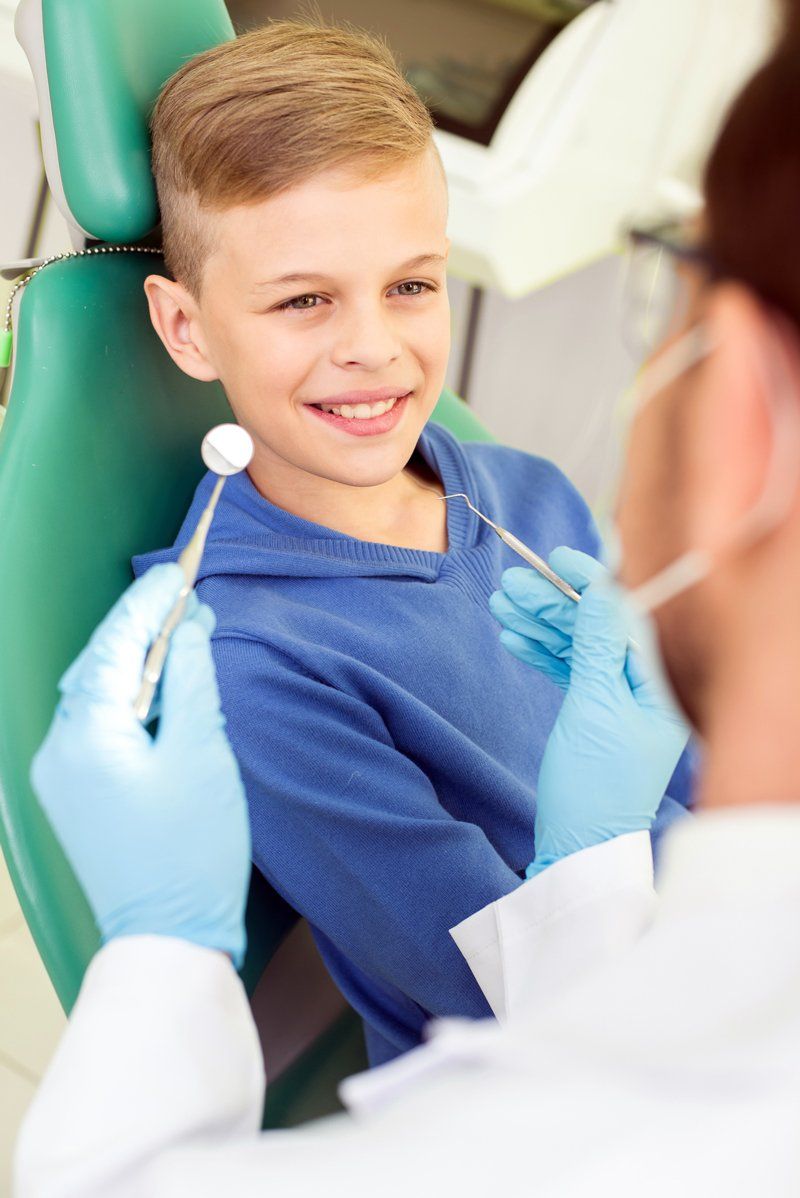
(269, 110)
(752, 183)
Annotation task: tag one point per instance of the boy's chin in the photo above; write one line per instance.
(372, 476)
(366, 466)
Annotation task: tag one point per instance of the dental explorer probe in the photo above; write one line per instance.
(522, 549)
(226, 450)
(529, 556)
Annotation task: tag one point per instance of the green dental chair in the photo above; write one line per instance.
(99, 455)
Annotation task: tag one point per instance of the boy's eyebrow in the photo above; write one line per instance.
(314, 277)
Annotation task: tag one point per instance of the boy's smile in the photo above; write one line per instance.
(364, 413)
(324, 313)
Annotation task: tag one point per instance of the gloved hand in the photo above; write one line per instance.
(155, 829)
(617, 740)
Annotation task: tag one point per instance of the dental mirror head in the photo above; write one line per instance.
(227, 449)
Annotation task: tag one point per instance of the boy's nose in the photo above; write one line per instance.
(366, 339)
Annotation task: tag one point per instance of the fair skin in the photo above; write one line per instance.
(331, 292)
(699, 456)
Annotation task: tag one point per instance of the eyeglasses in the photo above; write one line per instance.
(657, 294)
(657, 289)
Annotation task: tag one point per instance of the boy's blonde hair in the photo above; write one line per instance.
(255, 116)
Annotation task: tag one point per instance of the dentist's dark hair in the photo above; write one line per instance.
(752, 182)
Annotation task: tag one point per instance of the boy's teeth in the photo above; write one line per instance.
(361, 411)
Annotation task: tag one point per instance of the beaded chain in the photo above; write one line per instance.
(6, 335)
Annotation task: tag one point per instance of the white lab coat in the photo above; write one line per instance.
(645, 1050)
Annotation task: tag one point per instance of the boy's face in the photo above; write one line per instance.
(332, 293)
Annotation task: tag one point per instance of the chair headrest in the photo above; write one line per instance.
(98, 66)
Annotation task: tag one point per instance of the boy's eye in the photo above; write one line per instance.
(413, 287)
(301, 303)
(310, 301)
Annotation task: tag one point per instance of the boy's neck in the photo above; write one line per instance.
(406, 511)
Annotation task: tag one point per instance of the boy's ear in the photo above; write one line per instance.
(175, 317)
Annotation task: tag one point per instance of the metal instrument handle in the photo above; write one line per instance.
(189, 561)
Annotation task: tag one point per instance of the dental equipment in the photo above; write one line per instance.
(522, 549)
(529, 556)
(226, 450)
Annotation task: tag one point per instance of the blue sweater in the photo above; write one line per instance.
(389, 746)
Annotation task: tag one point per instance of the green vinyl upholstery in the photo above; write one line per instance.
(93, 463)
(99, 457)
(104, 63)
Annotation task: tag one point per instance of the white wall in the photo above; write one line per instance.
(20, 156)
(550, 368)
(19, 148)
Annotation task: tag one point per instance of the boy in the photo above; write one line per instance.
(388, 745)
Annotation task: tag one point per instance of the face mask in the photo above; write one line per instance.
(640, 625)
(766, 514)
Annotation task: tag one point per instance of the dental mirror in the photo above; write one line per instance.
(226, 450)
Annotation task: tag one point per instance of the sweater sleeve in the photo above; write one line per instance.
(350, 831)
(160, 1051)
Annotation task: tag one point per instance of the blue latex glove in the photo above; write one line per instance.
(617, 740)
(155, 829)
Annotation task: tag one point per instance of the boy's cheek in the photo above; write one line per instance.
(442, 343)
(438, 371)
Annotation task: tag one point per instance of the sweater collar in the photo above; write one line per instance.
(250, 535)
